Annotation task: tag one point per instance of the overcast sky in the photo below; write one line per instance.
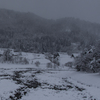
(84, 9)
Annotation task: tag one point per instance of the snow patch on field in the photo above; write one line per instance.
(59, 83)
(7, 87)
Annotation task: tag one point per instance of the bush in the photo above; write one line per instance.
(25, 61)
(56, 62)
(88, 61)
(9, 57)
(82, 62)
(19, 60)
(37, 63)
(49, 65)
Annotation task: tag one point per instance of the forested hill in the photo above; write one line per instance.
(29, 32)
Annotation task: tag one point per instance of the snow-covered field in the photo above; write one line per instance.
(29, 82)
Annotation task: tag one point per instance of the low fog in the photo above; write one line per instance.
(53, 9)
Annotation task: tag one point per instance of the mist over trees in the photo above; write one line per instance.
(31, 33)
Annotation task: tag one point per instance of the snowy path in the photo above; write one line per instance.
(29, 84)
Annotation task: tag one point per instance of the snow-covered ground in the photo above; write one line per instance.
(29, 82)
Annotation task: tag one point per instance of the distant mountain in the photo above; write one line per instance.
(21, 23)
(21, 29)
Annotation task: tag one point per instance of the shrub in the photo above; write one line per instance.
(56, 62)
(37, 63)
(49, 65)
(25, 61)
(7, 55)
(20, 60)
(82, 62)
(88, 61)
(11, 58)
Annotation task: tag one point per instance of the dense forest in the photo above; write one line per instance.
(31, 33)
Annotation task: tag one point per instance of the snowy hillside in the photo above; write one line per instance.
(28, 82)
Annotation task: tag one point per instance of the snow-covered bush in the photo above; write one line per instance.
(56, 62)
(54, 58)
(83, 62)
(19, 60)
(25, 61)
(37, 63)
(9, 57)
(49, 65)
(88, 61)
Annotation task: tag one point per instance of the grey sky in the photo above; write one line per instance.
(53, 9)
